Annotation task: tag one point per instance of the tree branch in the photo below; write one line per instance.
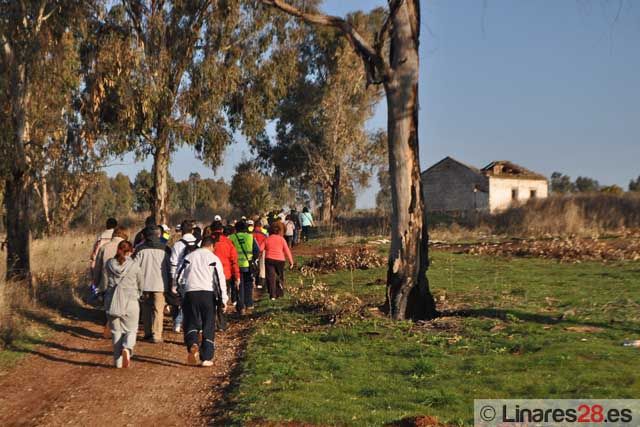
(394, 6)
(377, 68)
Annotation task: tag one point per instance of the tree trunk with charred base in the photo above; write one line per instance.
(408, 295)
(17, 202)
(407, 285)
(160, 184)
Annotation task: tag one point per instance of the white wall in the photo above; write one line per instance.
(500, 191)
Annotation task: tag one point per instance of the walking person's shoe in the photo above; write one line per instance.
(207, 363)
(193, 358)
(126, 358)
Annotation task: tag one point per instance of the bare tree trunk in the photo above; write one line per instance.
(17, 199)
(44, 196)
(335, 191)
(408, 294)
(325, 208)
(17, 205)
(69, 201)
(160, 184)
(407, 286)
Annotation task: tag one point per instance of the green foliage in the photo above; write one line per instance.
(190, 72)
(561, 183)
(98, 204)
(123, 195)
(634, 185)
(586, 185)
(142, 191)
(197, 194)
(515, 340)
(320, 123)
(249, 190)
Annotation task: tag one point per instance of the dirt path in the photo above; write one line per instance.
(68, 380)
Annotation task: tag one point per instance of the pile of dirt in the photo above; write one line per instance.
(421, 421)
(358, 258)
(564, 250)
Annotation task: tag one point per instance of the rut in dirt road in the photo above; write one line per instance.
(69, 380)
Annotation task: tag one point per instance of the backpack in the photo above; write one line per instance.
(188, 247)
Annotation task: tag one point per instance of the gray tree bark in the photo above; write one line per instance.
(17, 199)
(161, 160)
(408, 294)
(407, 286)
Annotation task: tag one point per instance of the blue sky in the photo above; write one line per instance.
(551, 84)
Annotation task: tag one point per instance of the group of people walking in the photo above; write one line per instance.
(192, 277)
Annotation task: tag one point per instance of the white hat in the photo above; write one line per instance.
(250, 222)
(217, 218)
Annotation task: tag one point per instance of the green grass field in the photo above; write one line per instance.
(521, 328)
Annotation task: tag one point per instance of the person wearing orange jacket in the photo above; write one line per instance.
(226, 251)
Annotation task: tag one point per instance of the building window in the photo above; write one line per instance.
(533, 194)
(514, 194)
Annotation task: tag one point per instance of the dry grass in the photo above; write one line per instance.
(59, 266)
(579, 215)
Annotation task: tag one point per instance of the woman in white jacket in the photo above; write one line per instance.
(124, 286)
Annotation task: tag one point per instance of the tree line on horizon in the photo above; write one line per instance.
(563, 184)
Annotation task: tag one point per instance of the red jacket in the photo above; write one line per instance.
(226, 251)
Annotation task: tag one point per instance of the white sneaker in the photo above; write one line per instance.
(207, 363)
(177, 329)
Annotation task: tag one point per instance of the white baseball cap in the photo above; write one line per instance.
(217, 218)
(250, 222)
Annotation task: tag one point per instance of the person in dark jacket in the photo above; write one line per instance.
(137, 241)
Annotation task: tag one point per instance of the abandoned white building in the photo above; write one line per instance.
(452, 186)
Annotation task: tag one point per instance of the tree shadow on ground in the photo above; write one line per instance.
(63, 360)
(544, 319)
(62, 325)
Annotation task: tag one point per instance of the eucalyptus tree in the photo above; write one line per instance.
(194, 77)
(392, 60)
(321, 137)
(39, 72)
(249, 192)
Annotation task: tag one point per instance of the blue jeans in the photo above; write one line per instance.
(245, 297)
